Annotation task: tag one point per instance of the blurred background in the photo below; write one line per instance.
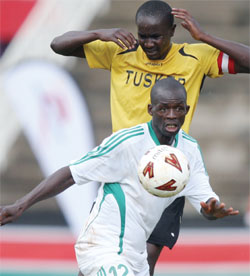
(221, 125)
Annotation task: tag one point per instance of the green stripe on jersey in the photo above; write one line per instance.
(116, 190)
(176, 140)
(124, 131)
(187, 137)
(114, 141)
(152, 133)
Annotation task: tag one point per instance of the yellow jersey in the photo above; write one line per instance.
(133, 75)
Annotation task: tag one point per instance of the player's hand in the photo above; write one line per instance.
(10, 213)
(189, 23)
(121, 37)
(216, 209)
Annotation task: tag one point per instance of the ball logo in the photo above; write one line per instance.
(149, 169)
(173, 161)
(167, 186)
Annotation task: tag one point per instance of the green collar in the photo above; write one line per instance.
(155, 139)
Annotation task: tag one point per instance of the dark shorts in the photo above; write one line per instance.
(167, 229)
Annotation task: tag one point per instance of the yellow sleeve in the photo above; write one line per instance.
(99, 54)
(208, 58)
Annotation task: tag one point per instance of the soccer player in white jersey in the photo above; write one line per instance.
(124, 215)
(136, 64)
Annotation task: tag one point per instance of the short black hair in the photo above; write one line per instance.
(170, 84)
(156, 8)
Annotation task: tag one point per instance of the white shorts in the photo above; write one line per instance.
(107, 265)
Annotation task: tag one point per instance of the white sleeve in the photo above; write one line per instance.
(103, 164)
(198, 188)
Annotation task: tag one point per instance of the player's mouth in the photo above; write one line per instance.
(152, 54)
(171, 127)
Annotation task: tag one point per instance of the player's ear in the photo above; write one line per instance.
(187, 109)
(172, 30)
(150, 109)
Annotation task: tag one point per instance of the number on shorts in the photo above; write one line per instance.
(121, 268)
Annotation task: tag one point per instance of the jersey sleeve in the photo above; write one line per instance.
(102, 164)
(198, 188)
(213, 62)
(100, 54)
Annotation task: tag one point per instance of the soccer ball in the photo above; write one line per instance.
(164, 171)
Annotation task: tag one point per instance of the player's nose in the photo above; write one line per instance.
(148, 43)
(171, 114)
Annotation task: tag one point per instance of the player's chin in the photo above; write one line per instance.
(152, 55)
(169, 134)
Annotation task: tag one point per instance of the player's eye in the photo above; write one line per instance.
(141, 36)
(156, 36)
(162, 109)
(180, 109)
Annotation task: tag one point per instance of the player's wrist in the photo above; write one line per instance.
(208, 216)
(21, 205)
(205, 37)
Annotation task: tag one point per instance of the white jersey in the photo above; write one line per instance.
(125, 214)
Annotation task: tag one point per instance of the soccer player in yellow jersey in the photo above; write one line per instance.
(136, 64)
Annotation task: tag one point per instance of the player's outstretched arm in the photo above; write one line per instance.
(238, 52)
(213, 209)
(51, 186)
(71, 43)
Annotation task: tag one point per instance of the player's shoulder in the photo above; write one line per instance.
(126, 51)
(198, 48)
(103, 46)
(127, 135)
(187, 140)
(189, 145)
(134, 129)
(196, 51)
(192, 48)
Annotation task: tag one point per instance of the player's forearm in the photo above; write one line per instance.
(71, 43)
(51, 186)
(240, 53)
